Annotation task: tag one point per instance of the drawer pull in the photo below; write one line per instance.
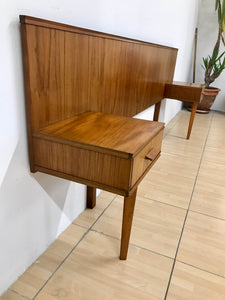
(152, 154)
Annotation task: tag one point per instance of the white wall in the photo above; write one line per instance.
(36, 208)
(207, 36)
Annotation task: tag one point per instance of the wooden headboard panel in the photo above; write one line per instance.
(69, 70)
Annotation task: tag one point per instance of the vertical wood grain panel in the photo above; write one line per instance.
(58, 74)
(46, 61)
(126, 78)
(91, 165)
(73, 72)
(76, 74)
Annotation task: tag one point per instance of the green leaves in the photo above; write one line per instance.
(217, 63)
(223, 15)
(206, 62)
(215, 54)
(221, 9)
(216, 4)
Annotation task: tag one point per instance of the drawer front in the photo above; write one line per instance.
(146, 157)
(101, 168)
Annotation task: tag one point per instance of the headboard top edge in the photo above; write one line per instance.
(65, 27)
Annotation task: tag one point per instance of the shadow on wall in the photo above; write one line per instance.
(34, 210)
(56, 188)
(70, 197)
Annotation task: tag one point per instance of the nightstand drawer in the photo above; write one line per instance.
(145, 159)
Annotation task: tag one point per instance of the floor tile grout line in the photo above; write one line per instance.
(81, 226)
(103, 212)
(162, 202)
(213, 147)
(132, 244)
(212, 161)
(172, 126)
(181, 137)
(216, 163)
(175, 206)
(180, 155)
(75, 246)
(15, 292)
(179, 207)
(180, 261)
(168, 133)
(62, 262)
(183, 176)
(185, 218)
(206, 215)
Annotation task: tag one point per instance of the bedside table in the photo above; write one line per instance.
(103, 151)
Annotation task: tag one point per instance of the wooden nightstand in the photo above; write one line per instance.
(101, 150)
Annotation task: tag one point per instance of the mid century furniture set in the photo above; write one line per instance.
(82, 89)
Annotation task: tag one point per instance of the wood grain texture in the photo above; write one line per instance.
(56, 76)
(70, 72)
(186, 92)
(103, 148)
(121, 136)
(183, 91)
(106, 169)
(156, 111)
(193, 111)
(27, 88)
(128, 212)
(87, 182)
(91, 197)
(74, 29)
(126, 78)
(141, 163)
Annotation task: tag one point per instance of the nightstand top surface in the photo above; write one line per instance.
(112, 132)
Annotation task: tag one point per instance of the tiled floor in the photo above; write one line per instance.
(177, 248)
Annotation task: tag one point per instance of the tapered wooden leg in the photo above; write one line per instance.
(128, 211)
(91, 197)
(193, 111)
(157, 111)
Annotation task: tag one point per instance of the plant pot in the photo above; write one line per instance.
(207, 99)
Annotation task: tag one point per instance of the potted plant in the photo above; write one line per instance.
(214, 64)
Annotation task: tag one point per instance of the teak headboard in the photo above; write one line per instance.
(70, 70)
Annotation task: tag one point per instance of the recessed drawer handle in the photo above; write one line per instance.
(152, 154)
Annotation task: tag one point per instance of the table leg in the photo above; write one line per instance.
(128, 211)
(193, 111)
(157, 111)
(91, 197)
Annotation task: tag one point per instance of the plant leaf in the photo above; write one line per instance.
(220, 56)
(215, 54)
(223, 16)
(205, 61)
(216, 4)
